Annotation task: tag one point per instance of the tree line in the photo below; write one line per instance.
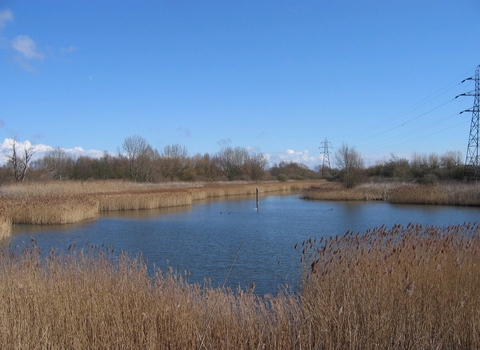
(138, 161)
(422, 168)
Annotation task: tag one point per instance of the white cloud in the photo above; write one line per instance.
(5, 16)
(253, 149)
(27, 47)
(297, 157)
(41, 150)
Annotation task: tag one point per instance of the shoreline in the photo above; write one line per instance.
(69, 202)
(450, 194)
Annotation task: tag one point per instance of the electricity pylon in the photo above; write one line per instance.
(326, 158)
(472, 164)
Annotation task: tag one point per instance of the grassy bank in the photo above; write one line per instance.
(458, 194)
(61, 202)
(404, 288)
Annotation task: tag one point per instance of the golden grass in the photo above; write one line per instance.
(49, 210)
(61, 202)
(134, 200)
(399, 288)
(5, 227)
(404, 288)
(460, 194)
(337, 192)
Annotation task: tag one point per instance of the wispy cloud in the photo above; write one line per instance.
(71, 48)
(5, 17)
(224, 142)
(184, 131)
(27, 47)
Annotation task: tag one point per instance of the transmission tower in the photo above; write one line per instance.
(472, 164)
(326, 158)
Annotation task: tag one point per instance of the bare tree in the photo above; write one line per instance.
(58, 164)
(258, 166)
(451, 159)
(20, 160)
(350, 163)
(232, 161)
(174, 161)
(139, 156)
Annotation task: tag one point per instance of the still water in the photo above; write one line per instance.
(202, 240)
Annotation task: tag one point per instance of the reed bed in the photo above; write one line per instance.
(90, 301)
(49, 210)
(214, 191)
(400, 288)
(144, 200)
(335, 191)
(458, 194)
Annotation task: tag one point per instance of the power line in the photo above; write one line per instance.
(411, 108)
(410, 133)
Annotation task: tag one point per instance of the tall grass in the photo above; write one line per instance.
(399, 288)
(405, 288)
(134, 200)
(42, 210)
(459, 194)
(91, 301)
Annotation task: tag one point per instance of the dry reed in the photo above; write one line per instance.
(460, 194)
(403, 288)
(400, 288)
(337, 192)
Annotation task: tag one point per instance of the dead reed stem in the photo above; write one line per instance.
(407, 287)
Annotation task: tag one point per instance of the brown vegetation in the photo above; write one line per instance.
(461, 194)
(404, 288)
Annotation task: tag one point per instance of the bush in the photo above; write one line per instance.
(282, 177)
(429, 179)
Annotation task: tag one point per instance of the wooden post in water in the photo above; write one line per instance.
(256, 198)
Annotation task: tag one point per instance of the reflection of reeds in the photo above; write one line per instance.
(70, 201)
(404, 287)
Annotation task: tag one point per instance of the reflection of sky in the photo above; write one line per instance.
(204, 238)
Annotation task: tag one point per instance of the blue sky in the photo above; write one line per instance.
(277, 77)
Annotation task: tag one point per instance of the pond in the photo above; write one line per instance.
(202, 240)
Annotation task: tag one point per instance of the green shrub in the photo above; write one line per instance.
(282, 177)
